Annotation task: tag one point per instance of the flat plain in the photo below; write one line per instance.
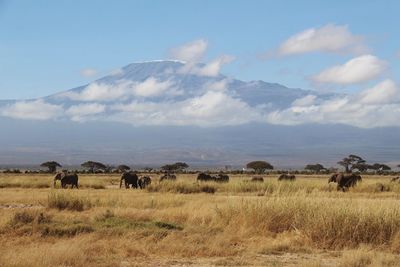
(305, 222)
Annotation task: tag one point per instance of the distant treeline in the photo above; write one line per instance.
(351, 163)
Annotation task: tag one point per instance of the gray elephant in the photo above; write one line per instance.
(204, 177)
(221, 178)
(345, 180)
(66, 179)
(130, 179)
(286, 177)
(144, 181)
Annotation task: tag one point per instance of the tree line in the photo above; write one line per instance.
(351, 163)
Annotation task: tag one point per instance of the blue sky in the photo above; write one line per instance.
(45, 45)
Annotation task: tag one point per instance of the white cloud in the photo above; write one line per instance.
(190, 52)
(122, 90)
(152, 87)
(305, 101)
(383, 93)
(117, 72)
(88, 72)
(210, 109)
(82, 112)
(221, 85)
(375, 107)
(32, 110)
(193, 53)
(101, 92)
(356, 70)
(329, 38)
(213, 67)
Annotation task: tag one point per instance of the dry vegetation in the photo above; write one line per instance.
(240, 223)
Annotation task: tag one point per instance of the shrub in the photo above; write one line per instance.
(63, 201)
(66, 230)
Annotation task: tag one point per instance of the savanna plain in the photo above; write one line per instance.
(305, 222)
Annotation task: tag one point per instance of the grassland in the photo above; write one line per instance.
(183, 223)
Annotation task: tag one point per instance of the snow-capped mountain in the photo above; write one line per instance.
(164, 111)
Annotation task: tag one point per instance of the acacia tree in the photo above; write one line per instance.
(380, 167)
(93, 166)
(350, 161)
(177, 166)
(123, 168)
(315, 167)
(51, 165)
(259, 166)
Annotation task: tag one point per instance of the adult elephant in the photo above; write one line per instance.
(66, 179)
(287, 177)
(345, 180)
(130, 179)
(144, 181)
(204, 177)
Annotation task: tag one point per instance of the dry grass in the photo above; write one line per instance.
(301, 223)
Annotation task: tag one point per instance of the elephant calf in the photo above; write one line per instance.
(144, 181)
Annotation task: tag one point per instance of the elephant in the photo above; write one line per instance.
(221, 178)
(257, 179)
(345, 180)
(288, 177)
(395, 179)
(66, 179)
(144, 181)
(130, 178)
(204, 177)
(168, 176)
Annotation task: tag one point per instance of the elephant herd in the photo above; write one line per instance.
(219, 178)
(132, 180)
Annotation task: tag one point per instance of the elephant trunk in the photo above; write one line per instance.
(120, 183)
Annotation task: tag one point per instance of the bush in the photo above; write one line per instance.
(66, 230)
(181, 188)
(63, 201)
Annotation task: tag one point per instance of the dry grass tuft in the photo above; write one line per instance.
(68, 201)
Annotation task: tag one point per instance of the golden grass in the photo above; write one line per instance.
(301, 223)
